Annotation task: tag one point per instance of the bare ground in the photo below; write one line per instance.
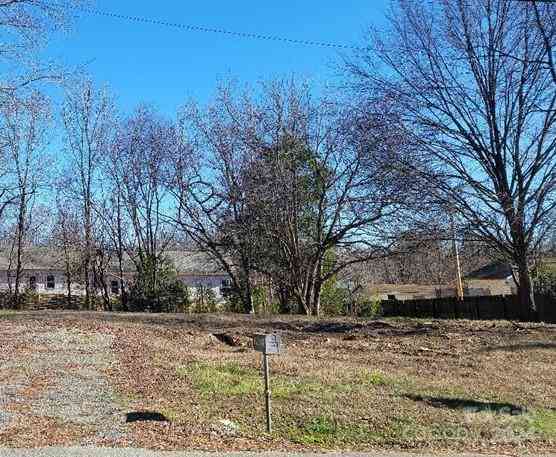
(75, 378)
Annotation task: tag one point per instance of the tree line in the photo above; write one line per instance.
(444, 128)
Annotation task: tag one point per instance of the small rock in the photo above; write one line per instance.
(226, 427)
(112, 435)
(212, 339)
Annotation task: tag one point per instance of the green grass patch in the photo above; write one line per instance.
(7, 313)
(173, 415)
(327, 432)
(543, 422)
(231, 379)
(376, 378)
(433, 413)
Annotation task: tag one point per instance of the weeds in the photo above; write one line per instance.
(328, 432)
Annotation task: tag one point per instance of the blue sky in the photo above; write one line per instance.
(165, 66)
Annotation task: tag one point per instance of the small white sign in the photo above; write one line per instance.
(268, 344)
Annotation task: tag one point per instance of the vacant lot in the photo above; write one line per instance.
(175, 382)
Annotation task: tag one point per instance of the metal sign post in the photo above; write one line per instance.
(267, 393)
(267, 344)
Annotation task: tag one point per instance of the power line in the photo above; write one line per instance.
(195, 28)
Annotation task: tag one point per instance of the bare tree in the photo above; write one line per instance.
(112, 212)
(24, 123)
(472, 83)
(140, 168)
(66, 238)
(210, 193)
(335, 184)
(286, 180)
(25, 27)
(88, 115)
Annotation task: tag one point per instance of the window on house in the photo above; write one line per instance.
(226, 284)
(391, 297)
(50, 282)
(115, 287)
(33, 282)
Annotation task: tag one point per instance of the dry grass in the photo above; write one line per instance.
(342, 384)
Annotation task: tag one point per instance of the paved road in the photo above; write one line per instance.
(96, 452)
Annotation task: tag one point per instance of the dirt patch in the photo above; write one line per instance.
(341, 384)
(60, 378)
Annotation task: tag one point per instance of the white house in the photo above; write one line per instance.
(197, 269)
(44, 272)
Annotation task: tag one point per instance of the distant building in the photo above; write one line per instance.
(494, 279)
(471, 287)
(44, 272)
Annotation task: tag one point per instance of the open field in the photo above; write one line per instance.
(70, 379)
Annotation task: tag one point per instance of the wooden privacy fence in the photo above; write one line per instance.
(479, 307)
(45, 301)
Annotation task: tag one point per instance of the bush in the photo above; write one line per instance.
(544, 282)
(204, 300)
(334, 299)
(371, 308)
(233, 304)
(166, 293)
(261, 304)
(259, 297)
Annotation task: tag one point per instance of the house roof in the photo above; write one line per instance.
(36, 258)
(46, 258)
(503, 270)
(496, 270)
(194, 262)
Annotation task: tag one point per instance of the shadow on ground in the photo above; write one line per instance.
(468, 405)
(145, 416)
(521, 346)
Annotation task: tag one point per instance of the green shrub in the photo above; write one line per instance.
(334, 299)
(233, 304)
(261, 303)
(544, 281)
(158, 289)
(259, 297)
(204, 300)
(371, 308)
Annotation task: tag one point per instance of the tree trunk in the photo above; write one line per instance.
(68, 285)
(316, 298)
(123, 293)
(525, 292)
(308, 298)
(248, 298)
(87, 281)
(20, 236)
(120, 245)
